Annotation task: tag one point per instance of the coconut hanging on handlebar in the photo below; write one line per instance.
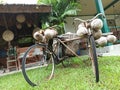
(50, 33)
(97, 34)
(96, 24)
(45, 35)
(82, 31)
(38, 35)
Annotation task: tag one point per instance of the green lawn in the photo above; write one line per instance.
(78, 76)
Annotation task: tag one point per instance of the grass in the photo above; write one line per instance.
(78, 76)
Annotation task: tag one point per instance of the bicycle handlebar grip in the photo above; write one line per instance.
(99, 14)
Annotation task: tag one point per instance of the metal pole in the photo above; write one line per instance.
(100, 9)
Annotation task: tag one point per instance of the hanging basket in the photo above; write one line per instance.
(8, 35)
(20, 18)
(19, 26)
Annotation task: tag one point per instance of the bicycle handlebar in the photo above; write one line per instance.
(99, 14)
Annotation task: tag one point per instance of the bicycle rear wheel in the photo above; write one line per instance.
(36, 68)
(93, 57)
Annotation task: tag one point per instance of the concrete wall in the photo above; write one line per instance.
(71, 26)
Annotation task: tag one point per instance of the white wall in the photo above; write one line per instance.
(72, 27)
(69, 26)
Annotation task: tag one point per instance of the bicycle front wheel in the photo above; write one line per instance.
(93, 57)
(37, 64)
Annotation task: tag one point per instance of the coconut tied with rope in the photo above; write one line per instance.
(44, 35)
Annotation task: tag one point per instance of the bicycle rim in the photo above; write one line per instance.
(93, 57)
(37, 68)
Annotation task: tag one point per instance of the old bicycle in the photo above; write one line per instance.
(47, 56)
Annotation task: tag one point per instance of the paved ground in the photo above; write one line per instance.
(113, 50)
(5, 72)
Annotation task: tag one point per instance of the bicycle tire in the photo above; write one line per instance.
(41, 71)
(93, 57)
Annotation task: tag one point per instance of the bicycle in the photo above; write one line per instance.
(47, 58)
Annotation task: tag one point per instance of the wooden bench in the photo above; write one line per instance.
(31, 58)
(20, 53)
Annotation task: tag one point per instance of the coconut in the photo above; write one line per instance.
(97, 34)
(35, 30)
(50, 33)
(96, 24)
(55, 32)
(81, 25)
(111, 38)
(38, 36)
(82, 31)
(101, 41)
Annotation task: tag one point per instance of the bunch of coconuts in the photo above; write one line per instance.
(45, 35)
(96, 26)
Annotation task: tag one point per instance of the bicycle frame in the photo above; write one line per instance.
(61, 43)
